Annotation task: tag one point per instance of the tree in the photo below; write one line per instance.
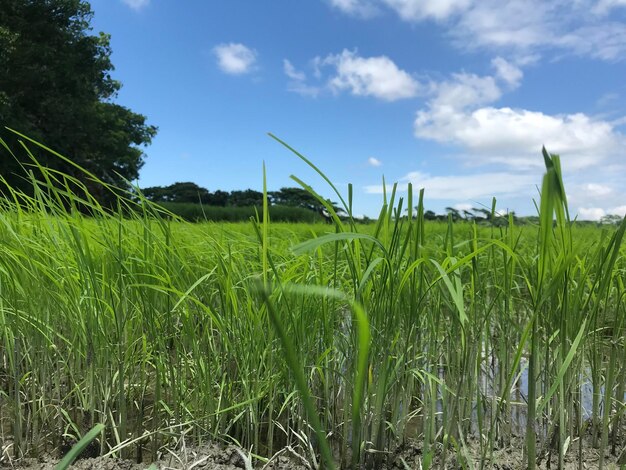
(468, 214)
(612, 219)
(249, 197)
(219, 198)
(454, 213)
(430, 215)
(301, 198)
(178, 192)
(484, 214)
(56, 87)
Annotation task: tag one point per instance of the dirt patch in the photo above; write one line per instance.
(407, 456)
(204, 457)
(410, 456)
(101, 463)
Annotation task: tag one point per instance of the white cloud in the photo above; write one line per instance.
(606, 41)
(291, 71)
(618, 210)
(378, 76)
(372, 161)
(582, 27)
(585, 193)
(463, 206)
(507, 71)
(597, 190)
(412, 10)
(518, 24)
(349, 6)
(361, 8)
(464, 187)
(297, 81)
(464, 90)
(234, 58)
(301, 88)
(457, 115)
(591, 213)
(137, 4)
(596, 213)
(497, 133)
(604, 7)
(607, 100)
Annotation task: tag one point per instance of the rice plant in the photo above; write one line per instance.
(345, 342)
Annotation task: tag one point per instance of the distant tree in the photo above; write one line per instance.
(218, 198)
(611, 219)
(481, 214)
(294, 197)
(528, 219)
(178, 192)
(56, 87)
(502, 219)
(249, 197)
(300, 198)
(430, 215)
(188, 192)
(454, 213)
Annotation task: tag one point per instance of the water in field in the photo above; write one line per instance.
(515, 414)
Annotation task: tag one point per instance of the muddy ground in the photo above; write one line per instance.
(205, 457)
(407, 456)
(510, 458)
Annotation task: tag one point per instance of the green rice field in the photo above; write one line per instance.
(349, 343)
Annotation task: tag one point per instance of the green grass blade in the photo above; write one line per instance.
(313, 244)
(79, 447)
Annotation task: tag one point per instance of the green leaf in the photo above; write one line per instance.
(313, 244)
(79, 447)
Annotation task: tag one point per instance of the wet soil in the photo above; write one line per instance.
(205, 457)
(512, 457)
(409, 455)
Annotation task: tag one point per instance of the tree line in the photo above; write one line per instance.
(188, 192)
(486, 217)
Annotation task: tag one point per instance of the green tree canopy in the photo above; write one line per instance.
(178, 192)
(299, 197)
(56, 87)
(454, 213)
(192, 193)
(612, 219)
(249, 197)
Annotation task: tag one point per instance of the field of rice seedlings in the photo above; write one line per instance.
(403, 344)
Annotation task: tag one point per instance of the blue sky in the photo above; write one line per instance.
(456, 96)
